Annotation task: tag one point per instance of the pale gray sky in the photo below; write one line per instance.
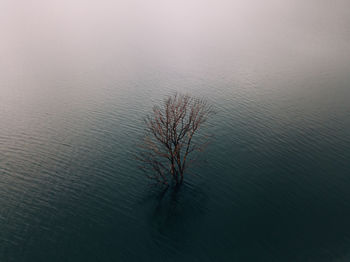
(44, 33)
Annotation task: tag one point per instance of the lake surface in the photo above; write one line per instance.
(76, 80)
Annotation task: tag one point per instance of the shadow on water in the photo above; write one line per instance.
(172, 211)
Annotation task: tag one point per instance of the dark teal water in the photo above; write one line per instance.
(76, 80)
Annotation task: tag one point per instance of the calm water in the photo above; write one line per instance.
(76, 79)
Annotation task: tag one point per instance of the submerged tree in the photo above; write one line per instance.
(171, 138)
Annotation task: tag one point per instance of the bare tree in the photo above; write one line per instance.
(170, 137)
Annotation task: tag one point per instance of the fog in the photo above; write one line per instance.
(39, 36)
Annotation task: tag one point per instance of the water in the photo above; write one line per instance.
(76, 80)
